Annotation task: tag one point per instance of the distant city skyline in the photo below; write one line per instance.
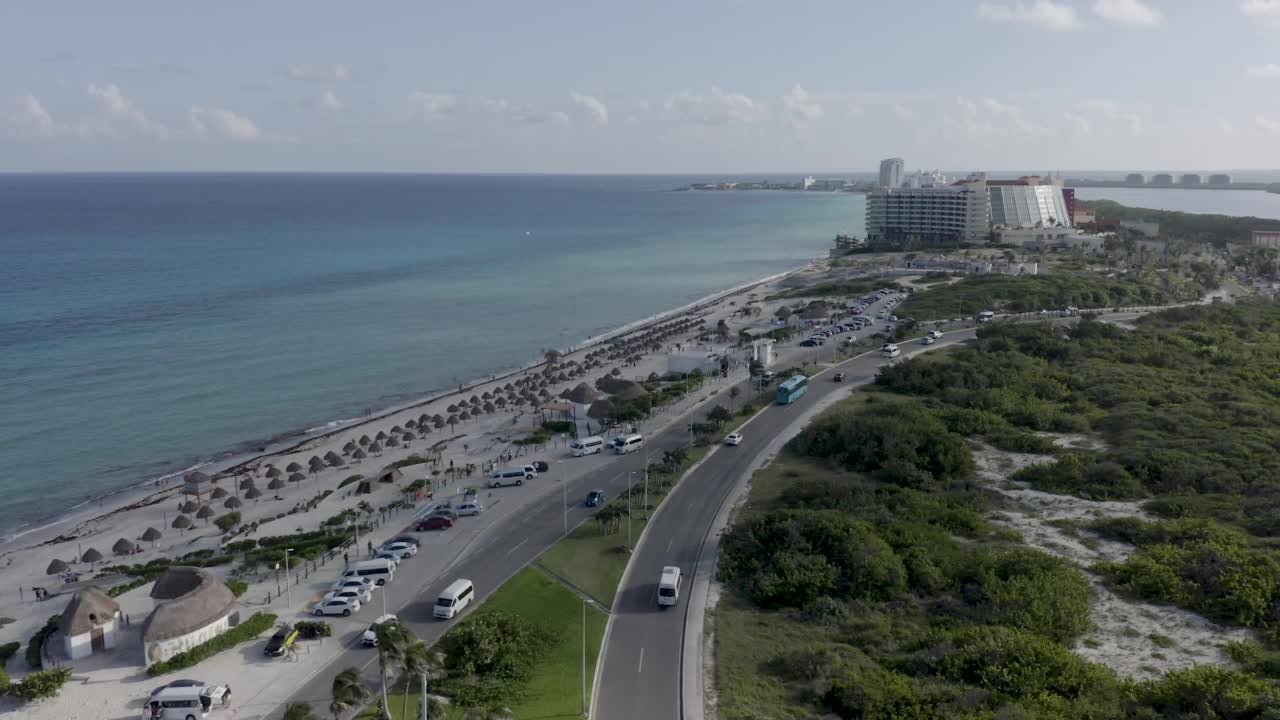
(716, 87)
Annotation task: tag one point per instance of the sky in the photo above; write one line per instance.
(657, 86)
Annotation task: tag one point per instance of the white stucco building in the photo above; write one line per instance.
(89, 624)
(192, 607)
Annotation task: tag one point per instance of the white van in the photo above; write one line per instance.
(379, 571)
(509, 476)
(191, 702)
(586, 446)
(669, 586)
(891, 351)
(986, 316)
(454, 598)
(624, 444)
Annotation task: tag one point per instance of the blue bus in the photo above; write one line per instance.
(792, 388)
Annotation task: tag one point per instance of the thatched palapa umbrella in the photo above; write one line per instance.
(333, 458)
(409, 436)
(247, 483)
(182, 522)
(364, 440)
(397, 429)
(253, 494)
(218, 494)
(151, 535)
(489, 408)
(273, 472)
(276, 483)
(486, 395)
(349, 448)
(437, 418)
(204, 513)
(293, 467)
(464, 416)
(123, 547)
(600, 409)
(393, 442)
(375, 448)
(232, 503)
(57, 567)
(358, 455)
(451, 409)
(91, 556)
(438, 422)
(296, 477)
(380, 436)
(188, 506)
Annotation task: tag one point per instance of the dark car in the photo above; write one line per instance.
(435, 522)
(594, 498)
(809, 343)
(541, 466)
(279, 643)
(838, 377)
(404, 539)
(446, 512)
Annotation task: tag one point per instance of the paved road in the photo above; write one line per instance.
(640, 672)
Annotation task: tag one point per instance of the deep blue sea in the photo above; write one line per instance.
(152, 322)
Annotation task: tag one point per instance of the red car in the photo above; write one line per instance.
(435, 522)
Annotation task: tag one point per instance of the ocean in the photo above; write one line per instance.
(1247, 203)
(151, 323)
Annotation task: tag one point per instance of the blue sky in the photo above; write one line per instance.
(697, 86)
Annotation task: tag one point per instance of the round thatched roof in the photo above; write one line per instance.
(273, 472)
(583, 394)
(375, 448)
(89, 608)
(253, 494)
(195, 476)
(123, 546)
(56, 567)
(151, 534)
(188, 506)
(393, 442)
(600, 409)
(277, 483)
(293, 467)
(182, 522)
(188, 599)
(628, 391)
(296, 477)
(91, 556)
(359, 455)
(218, 494)
(204, 513)
(232, 503)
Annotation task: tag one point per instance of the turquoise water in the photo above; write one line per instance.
(150, 323)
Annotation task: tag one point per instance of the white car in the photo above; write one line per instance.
(935, 334)
(733, 438)
(468, 508)
(352, 584)
(370, 636)
(402, 549)
(927, 340)
(356, 594)
(394, 557)
(338, 606)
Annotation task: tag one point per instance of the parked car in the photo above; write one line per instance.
(370, 636)
(344, 583)
(595, 498)
(469, 508)
(402, 549)
(179, 684)
(838, 377)
(338, 606)
(394, 558)
(541, 466)
(404, 539)
(447, 512)
(809, 342)
(279, 643)
(362, 595)
(434, 522)
(733, 438)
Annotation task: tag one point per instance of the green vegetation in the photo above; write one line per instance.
(350, 480)
(1032, 293)
(865, 580)
(35, 647)
(227, 523)
(247, 630)
(312, 629)
(37, 685)
(237, 587)
(7, 651)
(840, 288)
(118, 590)
(411, 460)
(523, 650)
(1218, 230)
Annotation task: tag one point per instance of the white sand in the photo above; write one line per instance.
(1135, 638)
(112, 684)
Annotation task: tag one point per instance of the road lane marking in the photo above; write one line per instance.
(640, 669)
(669, 542)
(517, 547)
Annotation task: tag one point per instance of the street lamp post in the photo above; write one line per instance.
(584, 658)
(646, 484)
(630, 475)
(288, 594)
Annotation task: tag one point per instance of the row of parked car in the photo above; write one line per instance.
(354, 589)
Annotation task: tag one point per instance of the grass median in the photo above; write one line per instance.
(555, 690)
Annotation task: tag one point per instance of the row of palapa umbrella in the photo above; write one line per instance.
(123, 546)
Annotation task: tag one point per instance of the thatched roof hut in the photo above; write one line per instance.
(600, 409)
(204, 513)
(293, 467)
(151, 534)
(89, 608)
(189, 599)
(56, 567)
(182, 522)
(232, 503)
(277, 483)
(218, 494)
(582, 394)
(123, 546)
(91, 556)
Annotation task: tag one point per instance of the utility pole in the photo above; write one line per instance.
(646, 483)
(288, 595)
(630, 475)
(584, 658)
(423, 681)
(564, 500)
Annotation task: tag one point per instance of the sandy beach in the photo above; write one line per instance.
(476, 441)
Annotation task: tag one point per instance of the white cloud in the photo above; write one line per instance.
(1043, 14)
(531, 116)
(1266, 123)
(1130, 119)
(593, 106)
(429, 106)
(988, 117)
(801, 105)
(718, 108)
(1261, 8)
(1270, 70)
(328, 101)
(119, 107)
(32, 114)
(1128, 12)
(1076, 124)
(223, 123)
(319, 73)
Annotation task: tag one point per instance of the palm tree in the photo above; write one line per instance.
(393, 641)
(348, 692)
(298, 711)
(421, 661)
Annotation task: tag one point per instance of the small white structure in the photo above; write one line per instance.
(762, 352)
(89, 624)
(192, 607)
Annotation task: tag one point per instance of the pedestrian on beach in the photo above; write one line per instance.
(370, 547)
(345, 560)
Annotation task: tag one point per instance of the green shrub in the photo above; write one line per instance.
(1205, 691)
(1029, 590)
(312, 629)
(227, 523)
(1013, 662)
(490, 657)
(560, 426)
(237, 587)
(40, 685)
(36, 645)
(411, 460)
(118, 590)
(350, 480)
(247, 630)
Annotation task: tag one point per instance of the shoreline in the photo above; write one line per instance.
(230, 462)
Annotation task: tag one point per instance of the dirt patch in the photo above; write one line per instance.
(1075, 441)
(1134, 638)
